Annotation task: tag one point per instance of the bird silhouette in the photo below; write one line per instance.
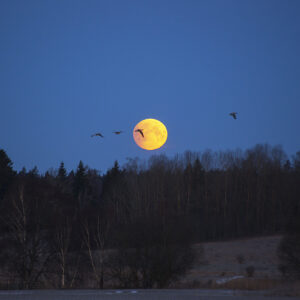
(233, 114)
(97, 134)
(140, 131)
(117, 132)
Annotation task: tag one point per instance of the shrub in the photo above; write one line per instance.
(240, 259)
(250, 271)
(289, 250)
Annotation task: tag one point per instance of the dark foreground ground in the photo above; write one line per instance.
(191, 294)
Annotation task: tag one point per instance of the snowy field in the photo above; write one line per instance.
(191, 294)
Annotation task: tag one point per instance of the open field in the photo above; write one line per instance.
(191, 294)
(224, 264)
(226, 259)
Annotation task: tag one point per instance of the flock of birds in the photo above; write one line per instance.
(140, 130)
(119, 132)
(99, 134)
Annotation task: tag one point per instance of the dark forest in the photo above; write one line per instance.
(134, 225)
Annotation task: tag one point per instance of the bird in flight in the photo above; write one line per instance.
(97, 134)
(140, 131)
(117, 132)
(233, 114)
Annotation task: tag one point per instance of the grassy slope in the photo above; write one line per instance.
(220, 260)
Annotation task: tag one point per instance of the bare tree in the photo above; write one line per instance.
(95, 239)
(26, 240)
(67, 260)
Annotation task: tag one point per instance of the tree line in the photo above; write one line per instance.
(134, 225)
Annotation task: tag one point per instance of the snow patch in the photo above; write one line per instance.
(224, 280)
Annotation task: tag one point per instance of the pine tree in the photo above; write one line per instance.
(296, 161)
(115, 170)
(112, 176)
(6, 173)
(79, 184)
(34, 172)
(62, 173)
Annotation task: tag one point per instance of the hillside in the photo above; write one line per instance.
(223, 260)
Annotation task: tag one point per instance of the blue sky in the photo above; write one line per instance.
(72, 68)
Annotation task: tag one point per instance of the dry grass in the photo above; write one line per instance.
(222, 260)
(290, 289)
(270, 287)
(236, 284)
(249, 284)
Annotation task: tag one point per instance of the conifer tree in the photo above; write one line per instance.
(6, 172)
(62, 173)
(79, 184)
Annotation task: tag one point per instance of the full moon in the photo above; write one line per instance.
(150, 134)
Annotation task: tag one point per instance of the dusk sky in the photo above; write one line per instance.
(69, 69)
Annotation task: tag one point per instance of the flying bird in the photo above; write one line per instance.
(140, 131)
(117, 132)
(97, 134)
(233, 114)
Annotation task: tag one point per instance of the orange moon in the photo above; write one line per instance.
(155, 134)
